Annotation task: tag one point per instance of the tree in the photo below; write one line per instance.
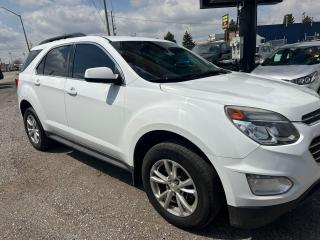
(187, 41)
(170, 37)
(232, 26)
(306, 19)
(288, 19)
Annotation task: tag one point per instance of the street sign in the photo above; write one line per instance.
(225, 22)
(231, 3)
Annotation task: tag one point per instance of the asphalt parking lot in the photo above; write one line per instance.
(64, 194)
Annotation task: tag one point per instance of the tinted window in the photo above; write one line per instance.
(40, 67)
(32, 55)
(164, 61)
(57, 62)
(207, 48)
(294, 56)
(90, 56)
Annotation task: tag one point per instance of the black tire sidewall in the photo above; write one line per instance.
(203, 175)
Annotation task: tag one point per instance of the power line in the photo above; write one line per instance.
(97, 10)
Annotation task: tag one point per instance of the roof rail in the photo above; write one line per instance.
(72, 35)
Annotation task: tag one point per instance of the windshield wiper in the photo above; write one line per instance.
(192, 77)
(208, 74)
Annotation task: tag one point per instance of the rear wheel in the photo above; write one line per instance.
(35, 131)
(181, 186)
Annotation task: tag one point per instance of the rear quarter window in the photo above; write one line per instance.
(32, 55)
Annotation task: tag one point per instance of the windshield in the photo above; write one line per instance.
(294, 56)
(164, 62)
(207, 48)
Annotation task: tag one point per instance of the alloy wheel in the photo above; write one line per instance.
(173, 188)
(33, 129)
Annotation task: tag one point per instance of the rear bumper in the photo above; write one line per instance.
(255, 217)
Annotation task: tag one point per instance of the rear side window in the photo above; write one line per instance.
(32, 55)
(40, 67)
(56, 63)
(90, 56)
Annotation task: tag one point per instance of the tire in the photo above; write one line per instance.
(43, 143)
(206, 183)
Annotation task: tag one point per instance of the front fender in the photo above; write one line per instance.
(205, 125)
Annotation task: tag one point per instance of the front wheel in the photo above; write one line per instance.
(181, 186)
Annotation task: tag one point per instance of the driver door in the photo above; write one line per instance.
(95, 111)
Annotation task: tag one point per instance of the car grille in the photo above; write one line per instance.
(315, 148)
(312, 117)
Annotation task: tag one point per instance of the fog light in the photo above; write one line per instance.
(268, 185)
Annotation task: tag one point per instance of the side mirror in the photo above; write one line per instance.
(101, 75)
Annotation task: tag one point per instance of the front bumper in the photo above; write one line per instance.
(255, 217)
(293, 161)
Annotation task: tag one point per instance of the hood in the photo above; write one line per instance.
(242, 89)
(286, 72)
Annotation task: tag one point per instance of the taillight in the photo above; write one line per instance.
(16, 80)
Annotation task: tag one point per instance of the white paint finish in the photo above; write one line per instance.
(50, 93)
(96, 115)
(111, 119)
(100, 73)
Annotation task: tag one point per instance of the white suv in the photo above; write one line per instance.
(195, 135)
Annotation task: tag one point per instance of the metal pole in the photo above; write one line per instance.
(113, 24)
(248, 30)
(24, 31)
(107, 19)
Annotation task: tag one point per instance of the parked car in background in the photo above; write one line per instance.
(198, 137)
(262, 52)
(215, 52)
(296, 63)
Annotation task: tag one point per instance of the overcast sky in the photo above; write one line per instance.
(152, 18)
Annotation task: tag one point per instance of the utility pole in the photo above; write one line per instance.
(113, 24)
(10, 54)
(248, 30)
(24, 31)
(107, 19)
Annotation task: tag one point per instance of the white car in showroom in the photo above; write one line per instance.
(196, 136)
(296, 63)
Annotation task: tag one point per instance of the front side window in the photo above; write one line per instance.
(157, 61)
(294, 56)
(90, 56)
(56, 63)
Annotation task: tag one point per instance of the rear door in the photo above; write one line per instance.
(49, 86)
(95, 111)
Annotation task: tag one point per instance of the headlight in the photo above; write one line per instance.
(264, 127)
(306, 80)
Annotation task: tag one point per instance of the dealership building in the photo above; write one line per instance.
(291, 33)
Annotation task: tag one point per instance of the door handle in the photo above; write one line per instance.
(72, 91)
(37, 82)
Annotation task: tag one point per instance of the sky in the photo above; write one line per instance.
(151, 18)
